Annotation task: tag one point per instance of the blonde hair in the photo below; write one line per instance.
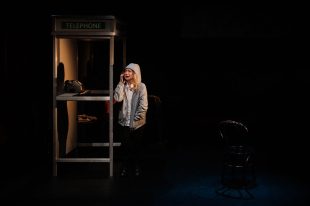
(135, 81)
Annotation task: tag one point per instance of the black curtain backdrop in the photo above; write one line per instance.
(206, 63)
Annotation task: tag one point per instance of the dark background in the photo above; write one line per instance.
(206, 62)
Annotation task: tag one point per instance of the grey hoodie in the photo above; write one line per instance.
(139, 102)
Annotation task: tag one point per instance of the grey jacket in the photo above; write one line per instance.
(139, 102)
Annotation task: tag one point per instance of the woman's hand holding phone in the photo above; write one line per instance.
(122, 78)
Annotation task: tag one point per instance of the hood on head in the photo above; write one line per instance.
(136, 69)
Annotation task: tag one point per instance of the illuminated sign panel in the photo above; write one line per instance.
(83, 25)
(86, 26)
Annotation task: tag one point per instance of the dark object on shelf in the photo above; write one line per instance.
(73, 86)
(84, 118)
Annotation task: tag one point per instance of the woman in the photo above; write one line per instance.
(132, 93)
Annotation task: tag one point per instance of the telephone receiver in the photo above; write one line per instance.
(73, 86)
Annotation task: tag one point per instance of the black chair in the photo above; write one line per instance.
(238, 166)
(154, 127)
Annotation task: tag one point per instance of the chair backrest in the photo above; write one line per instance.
(233, 133)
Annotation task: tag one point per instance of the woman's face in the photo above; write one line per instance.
(128, 75)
